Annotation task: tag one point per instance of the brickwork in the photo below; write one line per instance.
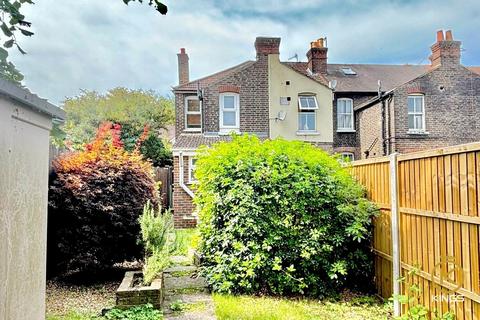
(251, 84)
(317, 60)
(348, 141)
(183, 206)
(370, 132)
(452, 110)
(183, 67)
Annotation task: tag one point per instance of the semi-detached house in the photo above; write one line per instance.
(342, 108)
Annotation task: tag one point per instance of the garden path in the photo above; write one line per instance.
(186, 295)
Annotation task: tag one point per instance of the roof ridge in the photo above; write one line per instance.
(214, 74)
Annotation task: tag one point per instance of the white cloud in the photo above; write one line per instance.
(98, 45)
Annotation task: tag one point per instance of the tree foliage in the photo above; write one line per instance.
(280, 217)
(132, 109)
(96, 198)
(12, 23)
(158, 5)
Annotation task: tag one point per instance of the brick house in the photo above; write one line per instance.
(364, 127)
(438, 108)
(359, 110)
(265, 97)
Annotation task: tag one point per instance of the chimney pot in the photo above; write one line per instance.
(440, 35)
(449, 36)
(182, 50)
(445, 52)
(317, 56)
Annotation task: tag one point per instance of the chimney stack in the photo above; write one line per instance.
(446, 51)
(265, 46)
(317, 56)
(183, 68)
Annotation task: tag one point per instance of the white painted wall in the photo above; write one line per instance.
(24, 148)
(277, 75)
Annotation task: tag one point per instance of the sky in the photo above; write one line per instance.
(102, 44)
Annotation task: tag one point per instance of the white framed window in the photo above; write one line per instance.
(416, 113)
(307, 115)
(229, 112)
(345, 115)
(307, 102)
(191, 169)
(193, 114)
(347, 157)
(307, 121)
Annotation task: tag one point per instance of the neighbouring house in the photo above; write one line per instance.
(356, 110)
(437, 108)
(264, 97)
(25, 124)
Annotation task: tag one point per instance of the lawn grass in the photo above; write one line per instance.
(73, 316)
(184, 240)
(267, 308)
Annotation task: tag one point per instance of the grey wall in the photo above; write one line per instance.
(24, 148)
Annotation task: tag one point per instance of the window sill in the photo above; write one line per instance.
(308, 133)
(418, 133)
(346, 131)
(226, 132)
(192, 130)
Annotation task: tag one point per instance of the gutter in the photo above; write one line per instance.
(181, 176)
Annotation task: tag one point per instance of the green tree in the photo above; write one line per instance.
(12, 22)
(133, 109)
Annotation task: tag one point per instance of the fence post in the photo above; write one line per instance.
(395, 231)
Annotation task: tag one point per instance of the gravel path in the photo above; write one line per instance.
(63, 297)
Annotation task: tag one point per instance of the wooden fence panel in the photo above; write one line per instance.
(164, 175)
(375, 176)
(439, 225)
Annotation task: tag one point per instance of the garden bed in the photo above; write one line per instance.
(132, 292)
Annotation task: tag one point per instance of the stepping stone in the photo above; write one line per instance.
(184, 270)
(183, 284)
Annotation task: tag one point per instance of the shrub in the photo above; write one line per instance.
(95, 199)
(158, 238)
(143, 312)
(280, 217)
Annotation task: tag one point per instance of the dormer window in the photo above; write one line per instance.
(193, 114)
(229, 112)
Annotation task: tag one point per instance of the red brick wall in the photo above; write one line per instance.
(183, 206)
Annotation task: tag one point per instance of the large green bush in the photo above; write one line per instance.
(280, 217)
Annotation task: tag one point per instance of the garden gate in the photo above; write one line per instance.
(429, 219)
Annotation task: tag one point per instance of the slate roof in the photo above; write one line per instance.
(474, 69)
(192, 141)
(302, 67)
(193, 85)
(24, 96)
(367, 75)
